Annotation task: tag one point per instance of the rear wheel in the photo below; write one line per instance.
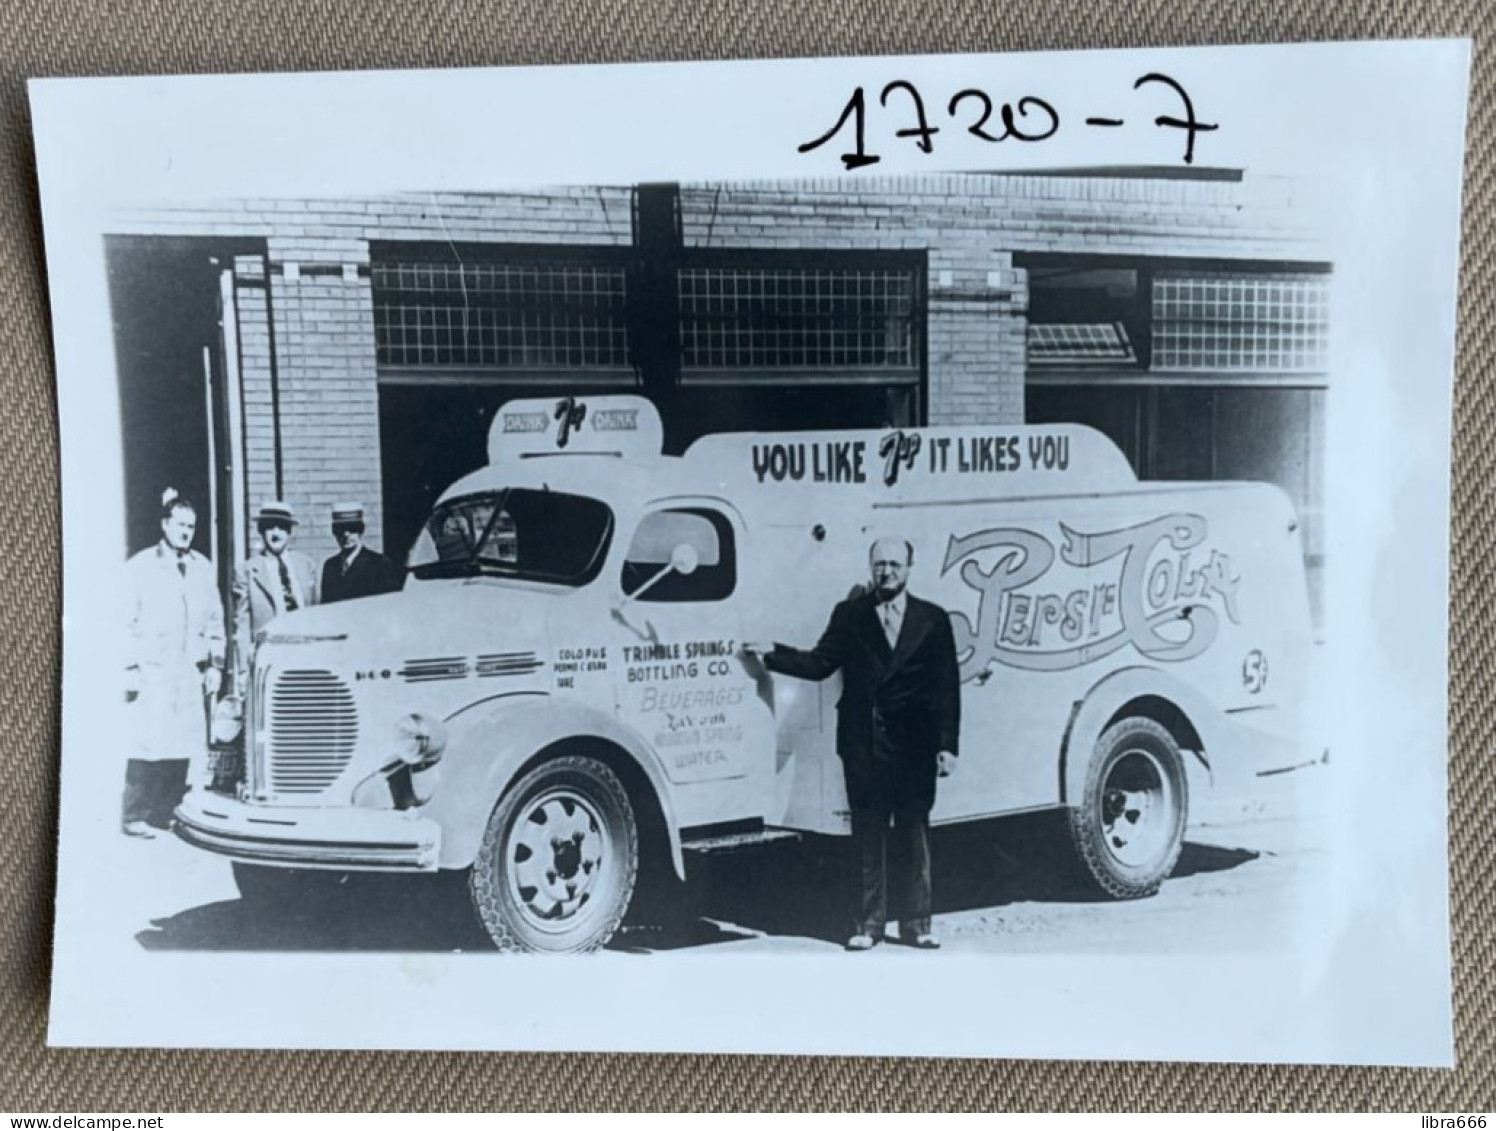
(1129, 827)
(558, 861)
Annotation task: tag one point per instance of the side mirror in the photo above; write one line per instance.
(684, 559)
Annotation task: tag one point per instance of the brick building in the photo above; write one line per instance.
(317, 350)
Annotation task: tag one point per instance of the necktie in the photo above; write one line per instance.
(890, 622)
(288, 595)
(182, 566)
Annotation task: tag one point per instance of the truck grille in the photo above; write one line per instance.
(313, 729)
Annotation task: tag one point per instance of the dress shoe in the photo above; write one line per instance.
(861, 942)
(923, 941)
(139, 829)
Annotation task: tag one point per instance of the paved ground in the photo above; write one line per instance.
(1000, 887)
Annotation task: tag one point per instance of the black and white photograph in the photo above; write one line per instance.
(652, 598)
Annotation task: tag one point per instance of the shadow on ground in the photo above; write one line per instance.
(354, 913)
(805, 889)
(794, 889)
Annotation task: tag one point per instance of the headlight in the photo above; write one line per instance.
(420, 740)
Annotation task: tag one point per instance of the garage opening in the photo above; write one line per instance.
(176, 350)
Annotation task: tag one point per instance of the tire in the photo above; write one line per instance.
(558, 861)
(265, 885)
(1129, 827)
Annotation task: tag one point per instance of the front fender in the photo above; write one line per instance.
(489, 742)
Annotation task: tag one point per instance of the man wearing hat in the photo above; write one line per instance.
(355, 570)
(276, 580)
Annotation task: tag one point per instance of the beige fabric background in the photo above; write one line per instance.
(75, 37)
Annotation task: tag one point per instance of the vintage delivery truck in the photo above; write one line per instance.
(559, 701)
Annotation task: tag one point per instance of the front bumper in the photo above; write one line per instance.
(383, 840)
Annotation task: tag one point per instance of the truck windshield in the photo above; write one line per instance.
(536, 535)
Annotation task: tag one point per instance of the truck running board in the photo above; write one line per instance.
(730, 841)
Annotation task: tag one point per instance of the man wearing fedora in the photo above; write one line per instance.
(355, 570)
(276, 580)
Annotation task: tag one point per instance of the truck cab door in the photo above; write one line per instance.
(685, 687)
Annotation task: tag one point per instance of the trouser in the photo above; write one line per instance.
(910, 838)
(153, 790)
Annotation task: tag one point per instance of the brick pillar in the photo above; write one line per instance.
(257, 477)
(977, 327)
(326, 384)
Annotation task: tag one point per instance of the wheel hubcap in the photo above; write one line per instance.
(1137, 810)
(555, 859)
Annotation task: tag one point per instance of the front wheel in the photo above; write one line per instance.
(558, 860)
(1129, 826)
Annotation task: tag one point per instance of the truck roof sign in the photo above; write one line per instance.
(627, 426)
(941, 463)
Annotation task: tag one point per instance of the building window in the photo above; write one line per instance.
(1215, 323)
(1080, 343)
(1197, 370)
(537, 316)
(822, 323)
(1087, 318)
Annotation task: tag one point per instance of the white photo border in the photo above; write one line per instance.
(1369, 979)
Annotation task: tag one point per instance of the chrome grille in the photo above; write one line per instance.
(313, 729)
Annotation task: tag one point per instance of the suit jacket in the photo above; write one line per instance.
(899, 706)
(257, 596)
(370, 574)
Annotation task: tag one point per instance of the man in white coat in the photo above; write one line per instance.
(276, 580)
(173, 668)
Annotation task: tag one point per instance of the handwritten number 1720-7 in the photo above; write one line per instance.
(1029, 119)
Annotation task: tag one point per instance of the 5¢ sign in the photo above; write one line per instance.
(1254, 671)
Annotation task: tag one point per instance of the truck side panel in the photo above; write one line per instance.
(1196, 590)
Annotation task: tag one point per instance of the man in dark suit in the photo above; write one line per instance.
(355, 570)
(897, 727)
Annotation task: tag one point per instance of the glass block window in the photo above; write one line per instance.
(800, 318)
(1079, 343)
(1241, 323)
(510, 315)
